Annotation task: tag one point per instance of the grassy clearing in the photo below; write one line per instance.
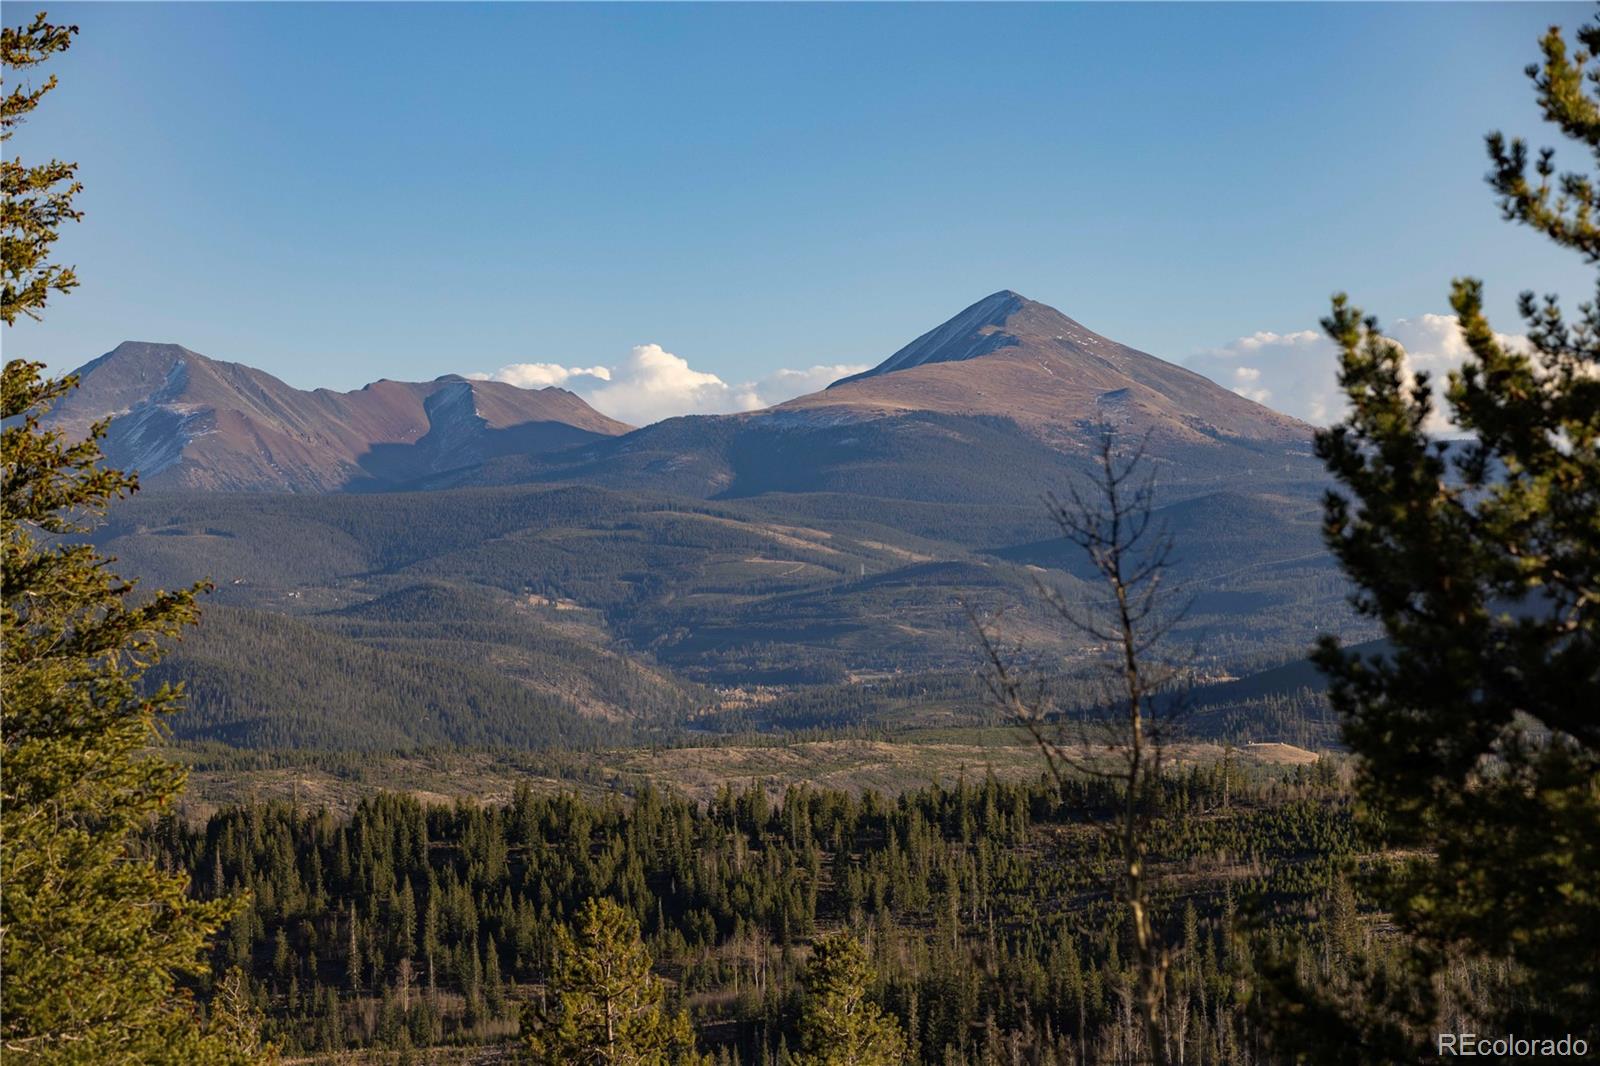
(907, 762)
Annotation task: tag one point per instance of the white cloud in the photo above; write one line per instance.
(543, 375)
(787, 384)
(1244, 383)
(1267, 339)
(1296, 373)
(651, 383)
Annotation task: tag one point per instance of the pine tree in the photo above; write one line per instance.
(603, 1005)
(94, 940)
(1478, 731)
(38, 199)
(281, 955)
(840, 1025)
(472, 983)
(494, 991)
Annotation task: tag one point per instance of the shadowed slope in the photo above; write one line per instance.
(185, 421)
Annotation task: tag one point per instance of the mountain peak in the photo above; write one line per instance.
(1020, 359)
(130, 348)
(139, 352)
(978, 330)
(187, 421)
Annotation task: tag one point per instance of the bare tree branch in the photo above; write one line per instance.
(1112, 519)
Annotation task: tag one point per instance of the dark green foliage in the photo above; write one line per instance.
(521, 638)
(95, 940)
(37, 199)
(840, 1024)
(984, 906)
(601, 1005)
(258, 679)
(1477, 726)
(1564, 209)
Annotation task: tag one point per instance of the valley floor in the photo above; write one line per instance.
(888, 766)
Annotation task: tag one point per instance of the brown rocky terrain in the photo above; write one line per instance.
(183, 420)
(1008, 355)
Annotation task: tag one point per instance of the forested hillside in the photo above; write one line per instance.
(652, 610)
(984, 905)
(259, 679)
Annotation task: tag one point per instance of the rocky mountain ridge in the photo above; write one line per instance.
(995, 403)
(183, 420)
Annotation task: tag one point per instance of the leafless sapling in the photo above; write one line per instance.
(1123, 731)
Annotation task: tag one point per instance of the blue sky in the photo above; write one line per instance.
(337, 193)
